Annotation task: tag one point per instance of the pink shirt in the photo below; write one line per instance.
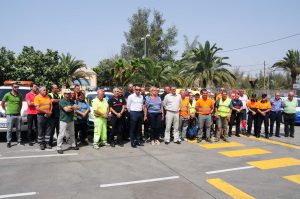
(30, 97)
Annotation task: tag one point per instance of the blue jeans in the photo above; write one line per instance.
(136, 120)
(13, 120)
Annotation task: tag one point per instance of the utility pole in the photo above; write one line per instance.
(264, 75)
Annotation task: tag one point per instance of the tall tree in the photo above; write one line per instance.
(206, 68)
(105, 72)
(159, 43)
(290, 63)
(7, 68)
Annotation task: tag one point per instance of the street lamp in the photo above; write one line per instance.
(145, 44)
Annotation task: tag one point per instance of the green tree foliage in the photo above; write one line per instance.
(290, 63)
(7, 67)
(160, 42)
(204, 67)
(105, 72)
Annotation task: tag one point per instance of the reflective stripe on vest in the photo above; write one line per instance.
(224, 107)
(184, 109)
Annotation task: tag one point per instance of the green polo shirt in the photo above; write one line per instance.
(290, 106)
(13, 103)
(66, 116)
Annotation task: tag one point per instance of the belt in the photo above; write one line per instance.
(275, 111)
(204, 114)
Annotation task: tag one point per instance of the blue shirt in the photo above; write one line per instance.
(277, 105)
(153, 105)
(83, 106)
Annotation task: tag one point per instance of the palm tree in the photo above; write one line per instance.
(204, 67)
(68, 66)
(290, 63)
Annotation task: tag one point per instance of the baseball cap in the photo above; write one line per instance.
(67, 91)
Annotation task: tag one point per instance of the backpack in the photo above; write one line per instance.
(192, 130)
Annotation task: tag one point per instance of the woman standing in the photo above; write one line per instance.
(153, 111)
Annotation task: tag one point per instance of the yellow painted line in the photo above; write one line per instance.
(275, 163)
(293, 178)
(195, 141)
(221, 145)
(229, 189)
(244, 152)
(274, 142)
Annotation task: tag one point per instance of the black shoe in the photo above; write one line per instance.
(75, 148)
(30, 143)
(229, 134)
(140, 144)
(208, 140)
(112, 144)
(42, 146)
(277, 136)
(178, 142)
(292, 136)
(121, 145)
(21, 144)
(286, 135)
(271, 134)
(267, 136)
(60, 151)
(48, 146)
(199, 140)
(237, 135)
(166, 143)
(248, 134)
(133, 145)
(8, 145)
(84, 143)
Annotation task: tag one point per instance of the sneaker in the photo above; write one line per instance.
(42, 147)
(112, 144)
(75, 148)
(8, 145)
(178, 142)
(60, 151)
(96, 147)
(21, 144)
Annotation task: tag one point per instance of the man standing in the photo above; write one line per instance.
(263, 109)
(223, 112)
(66, 124)
(184, 115)
(31, 114)
(236, 114)
(167, 90)
(204, 108)
(172, 104)
(244, 98)
(44, 110)
(101, 110)
(12, 105)
(289, 112)
(55, 98)
(275, 114)
(117, 108)
(135, 105)
(252, 115)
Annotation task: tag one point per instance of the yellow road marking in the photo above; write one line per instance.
(221, 145)
(293, 178)
(274, 142)
(244, 152)
(275, 163)
(229, 189)
(195, 141)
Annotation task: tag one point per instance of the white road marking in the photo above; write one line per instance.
(232, 169)
(18, 195)
(138, 181)
(37, 156)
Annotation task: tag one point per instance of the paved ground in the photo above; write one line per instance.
(79, 174)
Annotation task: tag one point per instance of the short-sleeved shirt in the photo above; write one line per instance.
(44, 103)
(252, 105)
(116, 104)
(31, 110)
(82, 107)
(236, 104)
(153, 105)
(263, 105)
(66, 116)
(55, 105)
(277, 105)
(13, 103)
(204, 106)
(100, 105)
(290, 106)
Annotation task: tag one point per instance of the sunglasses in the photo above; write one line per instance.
(137, 89)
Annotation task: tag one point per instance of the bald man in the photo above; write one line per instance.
(289, 113)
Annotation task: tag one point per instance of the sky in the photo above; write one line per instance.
(92, 30)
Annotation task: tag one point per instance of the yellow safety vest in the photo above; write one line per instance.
(224, 107)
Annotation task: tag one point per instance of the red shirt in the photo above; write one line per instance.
(30, 97)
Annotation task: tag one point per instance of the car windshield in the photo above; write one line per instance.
(23, 92)
(92, 96)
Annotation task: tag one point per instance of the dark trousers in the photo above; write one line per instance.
(126, 125)
(136, 120)
(54, 128)
(265, 120)
(117, 128)
(155, 124)
(32, 127)
(289, 124)
(81, 128)
(252, 119)
(44, 129)
(237, 118)
(275, 117)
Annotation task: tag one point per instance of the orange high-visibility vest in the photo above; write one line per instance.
(204, 106)
(184, 109)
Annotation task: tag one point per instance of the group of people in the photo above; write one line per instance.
(137, 116)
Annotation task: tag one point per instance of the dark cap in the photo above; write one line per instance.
(253, 95)
(264, 95)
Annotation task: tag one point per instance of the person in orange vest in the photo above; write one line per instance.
(204, 108)
(252, 114)
(263, 109)
(184, 115)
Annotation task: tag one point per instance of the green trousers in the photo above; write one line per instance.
(100, 130)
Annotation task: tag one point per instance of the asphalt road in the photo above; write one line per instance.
(189, 170)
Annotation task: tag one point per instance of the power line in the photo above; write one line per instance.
(260, 44)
